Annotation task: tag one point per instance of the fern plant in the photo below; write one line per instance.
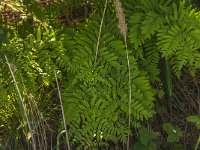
(95, 91)
(98, 91)
(165, 28)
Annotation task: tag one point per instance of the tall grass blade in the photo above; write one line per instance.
(58, 140)
(21, 101)
(61, 105)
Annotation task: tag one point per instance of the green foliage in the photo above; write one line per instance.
(172, 29)
(194, 119)
(34, 79)
(98, 92)
(174, 133)
(147, 140)
(95, 94)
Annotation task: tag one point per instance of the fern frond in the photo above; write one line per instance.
(152, 22)
(174, 28)
(101, 89)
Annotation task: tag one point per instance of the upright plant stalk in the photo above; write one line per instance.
(63, 114)
(36, 116)
(123, 29)
(100, 29)
(21, 101)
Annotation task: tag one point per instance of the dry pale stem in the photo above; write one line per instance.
(123, 29)
(100, 29)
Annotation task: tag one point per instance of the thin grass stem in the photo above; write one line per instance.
(61, 104)
(23, 106)
(100, 30)
(123, 29)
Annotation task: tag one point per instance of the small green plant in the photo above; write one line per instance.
(147, 140)
(196, 120)
(174, 133)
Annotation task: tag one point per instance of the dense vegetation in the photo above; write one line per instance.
(99, 74)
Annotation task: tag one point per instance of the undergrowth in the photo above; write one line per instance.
(121, 75)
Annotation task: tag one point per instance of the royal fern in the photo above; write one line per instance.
(98, 92)
(173, 29)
